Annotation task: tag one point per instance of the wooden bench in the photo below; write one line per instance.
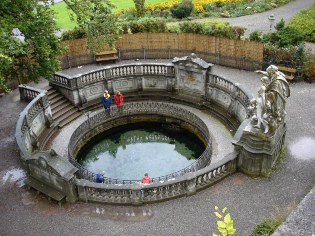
(289, 72)
(110, 55)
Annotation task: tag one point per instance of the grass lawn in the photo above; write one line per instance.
(63, 15)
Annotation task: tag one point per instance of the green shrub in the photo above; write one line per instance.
(291, 55)
(309, 69)
(191, 27)
(280, 25)
(267, 227)
(148, 24)
(173, 28)
(305, 23)
(139, 5)
(287, 36)
(283, 37)
(210, 7)
(219, 4)
(182, 10)
(255, 36)
(215, 28)
(76, 33)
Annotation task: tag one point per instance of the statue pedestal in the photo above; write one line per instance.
(258, 152)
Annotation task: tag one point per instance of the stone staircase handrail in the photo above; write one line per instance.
(24, 123)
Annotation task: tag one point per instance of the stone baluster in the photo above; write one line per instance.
(191, 184)
(136, 194)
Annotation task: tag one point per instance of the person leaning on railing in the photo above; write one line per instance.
(146, 179)
(106, 100)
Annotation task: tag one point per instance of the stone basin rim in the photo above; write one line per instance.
(133, 109)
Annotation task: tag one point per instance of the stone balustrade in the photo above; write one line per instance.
(33, 119)
(136, 193)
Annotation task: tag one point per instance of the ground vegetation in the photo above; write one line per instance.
(285, 46)
(304, 22)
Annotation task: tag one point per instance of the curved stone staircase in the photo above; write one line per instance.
(63, 111)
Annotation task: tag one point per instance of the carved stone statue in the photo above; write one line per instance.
(267, 110)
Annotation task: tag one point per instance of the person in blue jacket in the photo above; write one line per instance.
(100, 178)
(106, 100)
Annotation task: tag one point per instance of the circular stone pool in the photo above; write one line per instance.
(128, 151)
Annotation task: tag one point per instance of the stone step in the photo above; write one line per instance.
(48, 88)
(63, 113)
(45, 136)
(61, 106)
(69, 119)
(56, 99)
(52, 95)
(49, 92)
(56, 104)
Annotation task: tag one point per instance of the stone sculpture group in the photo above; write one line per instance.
(267, 110)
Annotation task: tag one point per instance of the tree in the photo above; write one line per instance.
(98, 21)
(139, 5)
(5, 62)
(29, 48)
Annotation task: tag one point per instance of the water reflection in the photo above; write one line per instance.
(128, 152)
(304, 148)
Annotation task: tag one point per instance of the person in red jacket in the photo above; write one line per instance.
(146, 179)
(119, 100)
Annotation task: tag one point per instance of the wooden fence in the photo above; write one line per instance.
(228, 52)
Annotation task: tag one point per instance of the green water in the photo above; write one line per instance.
(129, 151)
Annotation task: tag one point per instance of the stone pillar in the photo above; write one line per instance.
(258, 152)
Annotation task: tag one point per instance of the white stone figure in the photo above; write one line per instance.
(271, 99)
(252, 109)
(261, 110)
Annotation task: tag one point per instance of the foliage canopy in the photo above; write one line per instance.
(96, 18)
(29, 47)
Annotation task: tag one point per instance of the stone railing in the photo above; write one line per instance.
(111, 72)
(28, 93)
(33, 119)
(137, 193)
(94, 125)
